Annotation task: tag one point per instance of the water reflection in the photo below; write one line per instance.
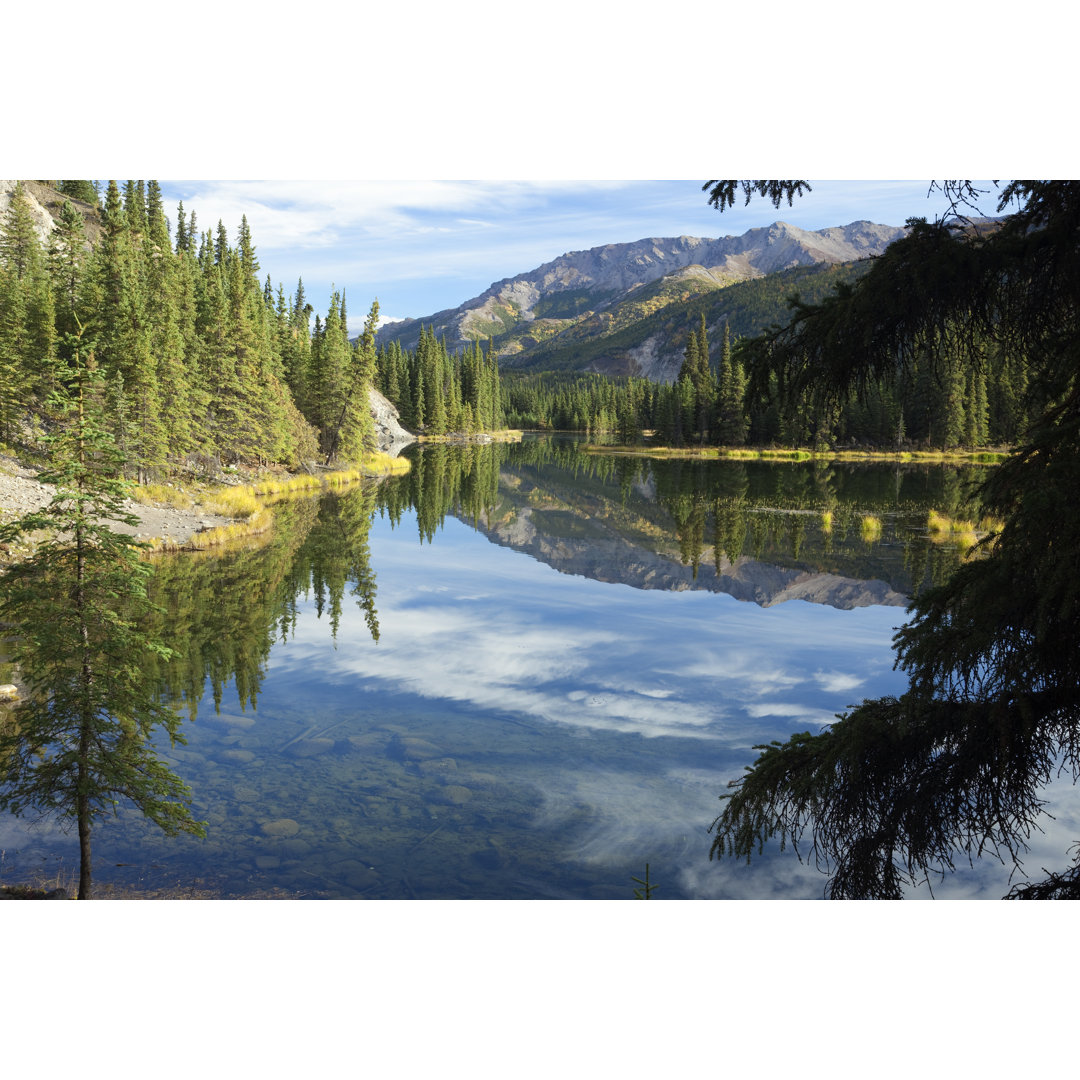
(475, 723)
(761, 531)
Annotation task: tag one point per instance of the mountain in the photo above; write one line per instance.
(584, 297)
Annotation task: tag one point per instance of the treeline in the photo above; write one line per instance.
(933, 402)
(437, 393)
(202, 362)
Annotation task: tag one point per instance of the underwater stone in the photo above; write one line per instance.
(280, 827)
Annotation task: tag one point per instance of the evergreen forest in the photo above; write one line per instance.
(203, 364)
(711, 403)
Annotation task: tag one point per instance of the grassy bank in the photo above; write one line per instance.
(930, 457)
(506, 435)
(248, 505)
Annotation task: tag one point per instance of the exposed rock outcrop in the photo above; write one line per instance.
(45, 205)
(390, 436)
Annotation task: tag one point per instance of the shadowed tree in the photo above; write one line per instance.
(80, 745)
(898, 789)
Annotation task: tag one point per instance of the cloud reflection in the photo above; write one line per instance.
(573, 651)
(668, 691)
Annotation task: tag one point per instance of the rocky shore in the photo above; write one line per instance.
(21, 493)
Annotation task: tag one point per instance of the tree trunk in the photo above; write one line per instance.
(85, 885)
(82, 797)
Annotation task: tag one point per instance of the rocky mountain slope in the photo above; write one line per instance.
(529, 313)
(45, 205)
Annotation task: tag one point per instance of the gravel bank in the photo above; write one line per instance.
(21, 492)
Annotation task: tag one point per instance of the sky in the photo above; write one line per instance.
(422, 246)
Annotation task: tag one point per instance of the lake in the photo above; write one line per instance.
(523, 672)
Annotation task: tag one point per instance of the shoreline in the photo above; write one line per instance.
(990, 456)
(172, 528)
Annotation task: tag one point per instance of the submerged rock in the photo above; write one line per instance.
(242, 756)
(280, 827)
(414, 749)
(455, 794)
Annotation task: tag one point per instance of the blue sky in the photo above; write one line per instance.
(420, 246)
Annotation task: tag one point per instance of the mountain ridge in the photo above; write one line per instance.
(521, 312)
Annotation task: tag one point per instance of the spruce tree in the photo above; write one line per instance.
(27, 318)
(900, 789)
(83, 190)
(354, 433)
(731, 407)
(81, 743)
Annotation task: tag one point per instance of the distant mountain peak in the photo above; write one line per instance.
(562, 292)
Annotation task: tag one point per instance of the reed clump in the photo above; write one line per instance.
(286, 485)
(943, 528)
(233, 502)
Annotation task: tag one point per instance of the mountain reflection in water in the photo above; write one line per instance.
(387, 700)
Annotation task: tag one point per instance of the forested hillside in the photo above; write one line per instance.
(933, 404)
(647, 333)
(204, 364)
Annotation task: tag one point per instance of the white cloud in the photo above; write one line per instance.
(303, 214)
(837, 682)
(792, 711)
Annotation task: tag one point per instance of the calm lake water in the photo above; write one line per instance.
(523, 672)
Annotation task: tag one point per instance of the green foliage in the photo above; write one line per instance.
(897, 788)
(201, 359)
(437, 393)
(722, 192)
(81, 744)
(569, 304)
(84, 190)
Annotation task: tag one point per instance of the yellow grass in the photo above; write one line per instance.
(944, 529)
(505, 435)
(937, 523)
(980, 457)
(285, 485)
(870, 528)
(162, 495)
(826, 521)
(246, 503)
(381, 464)
(255, 524)
(233, 502)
